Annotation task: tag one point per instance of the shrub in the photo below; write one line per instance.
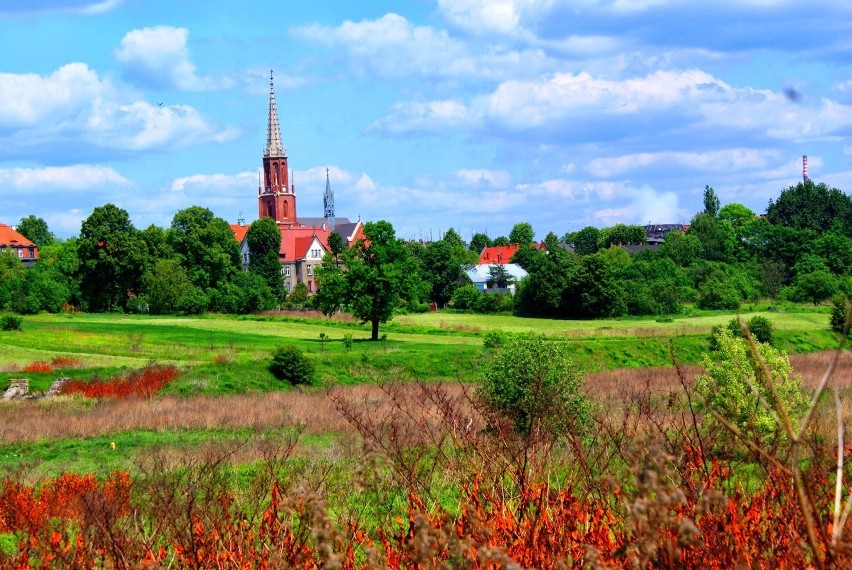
(291, 364)
(535, 385)
(347, 341)
(10, 322)
(143, 383)
(841, 308)
(761, 329)
(718, 294)
(466, 297)
(494, 339)
(730, 383)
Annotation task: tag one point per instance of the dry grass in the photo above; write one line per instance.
(72, 417)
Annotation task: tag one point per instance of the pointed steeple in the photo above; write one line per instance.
(328, 201)
(273, 131)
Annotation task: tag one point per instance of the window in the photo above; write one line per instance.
(286, 271)
(310, 270)
(20, 252)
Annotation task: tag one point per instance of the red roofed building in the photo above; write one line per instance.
(23, 249)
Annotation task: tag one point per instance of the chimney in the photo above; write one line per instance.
(804, 168)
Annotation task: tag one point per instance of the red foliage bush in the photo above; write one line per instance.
(66, 362)
(38, 367)
(143, 383)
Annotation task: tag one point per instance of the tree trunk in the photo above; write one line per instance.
(375, 335)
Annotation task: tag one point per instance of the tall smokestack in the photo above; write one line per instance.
(804, 168)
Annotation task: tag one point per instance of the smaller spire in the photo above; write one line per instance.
(328, 201)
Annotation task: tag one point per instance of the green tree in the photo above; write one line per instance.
(12, 272)
(336, 245)
(682, 248)
(264, 243)
(621, 234)
(442, 268)
(501, 241)
(736, 214)
(376, 276)
(166, 285)
(716, 238)
(245, 293)
(206, 247)
(534, 384)
(453, 238)
(36, 230)
(733, 386)
(478, 242)
(585, 241)
(466, 297)
(815, 287)
(156, 240)
(812, 206)
(522, 233)
(499, 277)
(291, 364)
(112, 258)
(711, 202)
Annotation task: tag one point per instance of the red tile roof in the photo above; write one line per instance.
(499, 255)
(10, 238)
(296, 241)
(239, 231)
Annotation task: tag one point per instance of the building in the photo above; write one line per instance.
(304, 241)
(480, 275)
(656, 233)
(12, 241)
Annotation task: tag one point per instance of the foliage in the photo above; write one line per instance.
(839, 312)
(478, 242)
(494, 339)
(10, 322)
(718, 293)
(716, 237)
(761, 329)
(736, 214)
(264, 243)
(682, 248)
(298, 296)
(815, 287)
(376, 276)
(112, 258)
(166, 286)
(812, 206)
(522, 233)
(733, 386)
(466, 296)
(536, 386)
(585, 241)
(143, 383)
(499, 276)
(206, 246)
(291, 364)
(336, 245)
(35, 229)
(621, 234)
(711, 202)
(245, 293)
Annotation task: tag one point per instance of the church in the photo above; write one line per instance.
(304, 241)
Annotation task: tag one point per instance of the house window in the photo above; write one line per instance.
(315, 253)
(286, 271)
(310, 286)
(310, 270)
(21, 252)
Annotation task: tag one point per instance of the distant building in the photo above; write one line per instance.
(502, 254)
(480, 275)
(656, 233)
(24, 249)
(304, 241)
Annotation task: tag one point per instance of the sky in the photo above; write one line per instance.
(431, 114)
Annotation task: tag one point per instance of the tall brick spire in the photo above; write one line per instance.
(276, 197)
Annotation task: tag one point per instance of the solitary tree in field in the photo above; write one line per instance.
(374, 277)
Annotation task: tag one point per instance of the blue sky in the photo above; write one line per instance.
(472, 114)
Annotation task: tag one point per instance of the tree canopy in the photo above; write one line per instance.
(376, 275)
(36, 230)
(812, 206)
(264, 243)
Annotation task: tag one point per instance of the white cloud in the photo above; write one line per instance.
(49, 179)
(391, 47)
(158, 57)
(502, 16)
(736, 159)
(645, 205)
(205, 182)
(74, 106)
(432, 116)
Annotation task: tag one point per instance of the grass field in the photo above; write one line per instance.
(225, 391)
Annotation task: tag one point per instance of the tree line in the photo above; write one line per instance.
(799, 250)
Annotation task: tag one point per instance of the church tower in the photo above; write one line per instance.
(276, 197)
